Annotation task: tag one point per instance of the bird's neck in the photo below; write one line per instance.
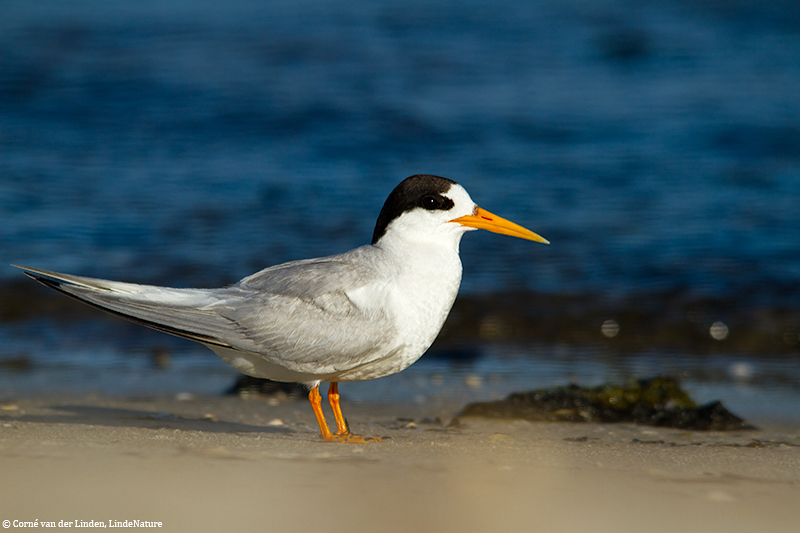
(424, 262)
(426, 281)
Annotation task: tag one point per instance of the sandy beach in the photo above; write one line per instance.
(227, 463)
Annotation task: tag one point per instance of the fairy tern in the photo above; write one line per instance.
(360, 315)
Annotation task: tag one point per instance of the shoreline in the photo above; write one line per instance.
(208, 463)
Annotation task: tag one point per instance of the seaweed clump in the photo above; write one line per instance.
(658, 401)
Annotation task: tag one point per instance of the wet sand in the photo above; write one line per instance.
(217, 464)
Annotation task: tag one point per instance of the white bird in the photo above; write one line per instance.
(360, 315)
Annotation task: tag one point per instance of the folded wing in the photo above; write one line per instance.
(299, 317)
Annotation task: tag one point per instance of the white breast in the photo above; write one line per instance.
(417, 293)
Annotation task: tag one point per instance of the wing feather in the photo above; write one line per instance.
(296, 315)
(180, 312)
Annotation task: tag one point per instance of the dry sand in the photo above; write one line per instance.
(230, 464)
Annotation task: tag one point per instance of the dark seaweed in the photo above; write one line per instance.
(653, 402)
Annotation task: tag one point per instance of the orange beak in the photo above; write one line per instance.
(483, 219)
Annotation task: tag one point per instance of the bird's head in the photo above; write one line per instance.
(431, 208)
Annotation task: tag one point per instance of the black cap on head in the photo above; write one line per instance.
(421, 190)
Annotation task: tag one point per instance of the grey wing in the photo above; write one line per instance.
(306, 337)
(324, 277)
(299, 315)
(301, 318)
(181, 312)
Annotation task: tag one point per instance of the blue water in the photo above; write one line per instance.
(656, 144)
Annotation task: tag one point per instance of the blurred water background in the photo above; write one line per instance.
(655, 143)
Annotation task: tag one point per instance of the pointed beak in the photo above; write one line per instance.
(483, 219)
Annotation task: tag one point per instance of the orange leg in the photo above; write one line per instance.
(333, 398)
(342, 432)
(316, 404)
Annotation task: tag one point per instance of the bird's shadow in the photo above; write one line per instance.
(119, 417)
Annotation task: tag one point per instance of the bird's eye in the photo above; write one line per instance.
(431, 202)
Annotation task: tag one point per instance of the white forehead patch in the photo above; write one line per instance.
(463, 203)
